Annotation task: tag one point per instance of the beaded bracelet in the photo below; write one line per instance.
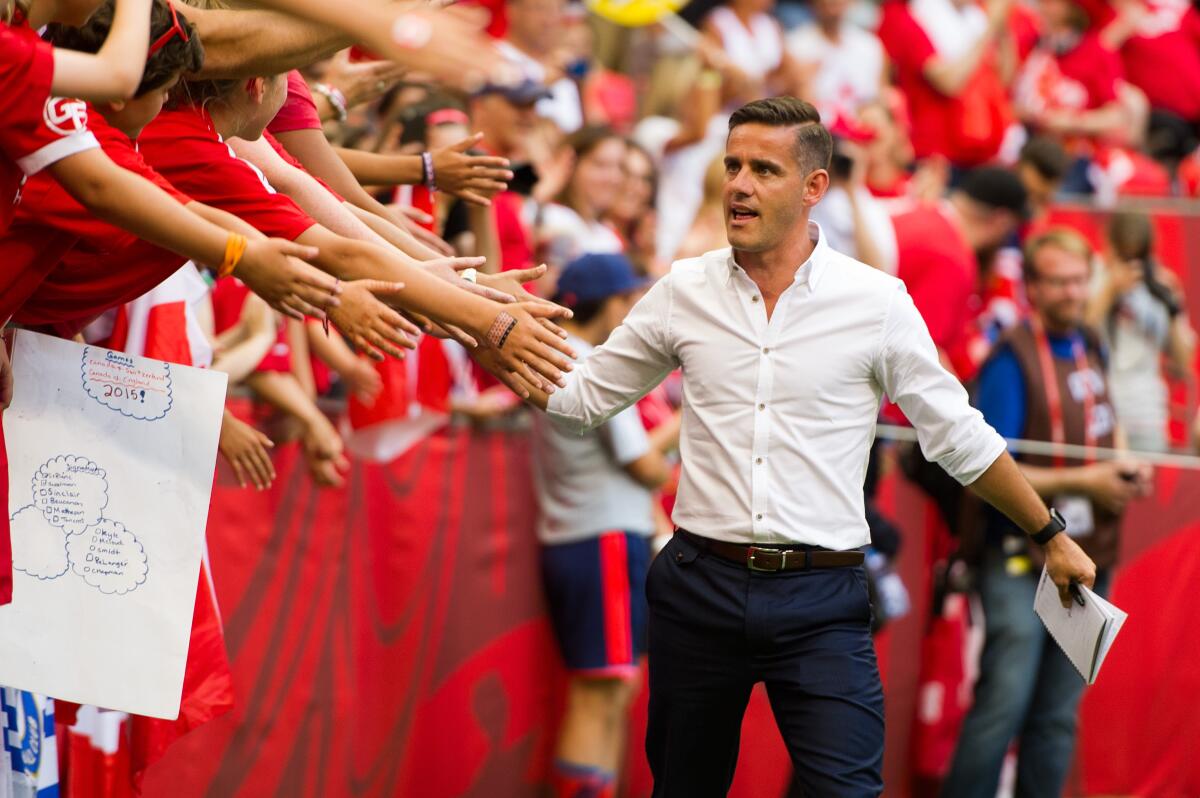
(337, 100)
(427, 174)
(501, 328)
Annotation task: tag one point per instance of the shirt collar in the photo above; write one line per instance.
(809, 272)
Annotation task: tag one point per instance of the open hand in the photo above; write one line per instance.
(372, 326)
(275, 270)
(526, 347)
(470, 177)
(245, 449)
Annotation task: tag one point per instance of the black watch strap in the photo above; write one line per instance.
(1053, 527)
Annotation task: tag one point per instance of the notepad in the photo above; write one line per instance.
(1085, 634)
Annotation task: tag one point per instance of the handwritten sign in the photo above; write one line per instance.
(108, 498)
(71, 492)
(132, 386)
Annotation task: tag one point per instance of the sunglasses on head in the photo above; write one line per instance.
(176, 28)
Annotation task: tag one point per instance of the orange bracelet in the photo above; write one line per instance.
(235, 247)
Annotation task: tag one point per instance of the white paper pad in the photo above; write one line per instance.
(1085, 634)
(110, 473)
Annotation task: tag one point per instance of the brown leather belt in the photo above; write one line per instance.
(763, 558)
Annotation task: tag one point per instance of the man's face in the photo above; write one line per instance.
(1040, 189)
(535, 24)
(1058, 290)
(830, 10)
(766, 190)
(504, 124)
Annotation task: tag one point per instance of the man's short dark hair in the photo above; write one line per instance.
(997, 188)
(814, 144)
(174, 58)
(1047, 157)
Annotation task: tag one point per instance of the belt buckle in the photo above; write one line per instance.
(755, 551)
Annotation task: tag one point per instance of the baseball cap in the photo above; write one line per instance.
(526, 92)
(997, 188)
(596, 277)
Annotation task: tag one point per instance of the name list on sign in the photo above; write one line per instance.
(138, 388)
(109, 557)
(71, 492)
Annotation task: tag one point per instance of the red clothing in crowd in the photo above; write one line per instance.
(87, 265)
(183, 146)
(1081, 79)
(37, 129)
(299, 111)
(1163, 59)
(938, 268)
(967, 129)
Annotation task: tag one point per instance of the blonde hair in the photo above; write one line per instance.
(1064, 238)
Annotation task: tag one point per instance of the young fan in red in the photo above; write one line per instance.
(952, 61)
(1159, 45)
(1069, 87)
(185, 144)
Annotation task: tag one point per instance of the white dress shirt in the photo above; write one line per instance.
(779, 415)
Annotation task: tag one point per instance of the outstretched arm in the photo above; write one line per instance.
(636, 357)
(954, 434)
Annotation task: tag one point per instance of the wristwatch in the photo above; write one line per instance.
(1053, 527)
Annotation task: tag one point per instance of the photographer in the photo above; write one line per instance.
(1139, 306)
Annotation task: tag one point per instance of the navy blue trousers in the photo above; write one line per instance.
(717, 629)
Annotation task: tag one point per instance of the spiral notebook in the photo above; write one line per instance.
(1085, 634)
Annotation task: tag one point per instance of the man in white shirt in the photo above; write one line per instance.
(786, 348)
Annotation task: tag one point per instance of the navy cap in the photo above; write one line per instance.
(596, 277)
(526, 92)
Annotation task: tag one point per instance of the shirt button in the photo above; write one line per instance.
(762, 407)
(766, 350)
(754, 298)
(758, 517)
(758, 461)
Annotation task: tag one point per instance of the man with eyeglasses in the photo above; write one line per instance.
(1044, 381)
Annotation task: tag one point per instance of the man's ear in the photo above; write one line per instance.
(256, 88)
(815, 186)
(116, 106)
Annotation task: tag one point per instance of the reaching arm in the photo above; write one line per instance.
(244, 44)
(474, 178)
(383, 227)
(133, 203)
(636, 357)
(312, 149)
(115, 71)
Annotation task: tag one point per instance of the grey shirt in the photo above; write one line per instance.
(582, 486)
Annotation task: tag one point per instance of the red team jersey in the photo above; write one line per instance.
(36, 130)
(80, 266)
(183, 147)
(299, 112)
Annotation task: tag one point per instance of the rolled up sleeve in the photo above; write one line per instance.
(636, 357)
(951, 432)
